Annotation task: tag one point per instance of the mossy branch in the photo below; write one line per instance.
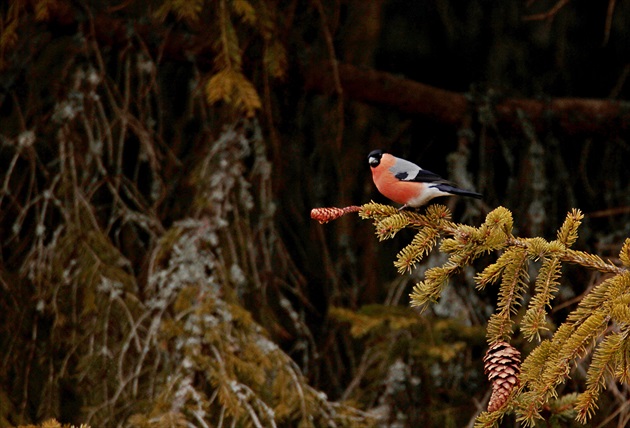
(602, 315)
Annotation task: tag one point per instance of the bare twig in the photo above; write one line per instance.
(609, 18)
(550, 14)
(335, 70)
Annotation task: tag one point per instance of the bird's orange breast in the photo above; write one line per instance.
(391, 187)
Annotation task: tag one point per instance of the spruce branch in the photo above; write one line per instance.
(515, 278)
(547, 285)
(602, 366)
(591, 261)
(429, 290)
(388, 227)
(420, 246)
(624, 254)
(603, 296)
(532, 367)
(567, 234)
(533, 387)
(620, 309)
(376, 211)
(492, 273)
(622, 363)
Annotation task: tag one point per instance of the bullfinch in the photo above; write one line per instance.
(406, 183)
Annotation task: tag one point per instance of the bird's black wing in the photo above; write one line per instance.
(421, 176)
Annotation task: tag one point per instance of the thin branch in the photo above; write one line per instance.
(609, 18)
(549, 15)
(335, 69)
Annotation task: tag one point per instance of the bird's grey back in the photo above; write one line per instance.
(408, 171)
(404, 166)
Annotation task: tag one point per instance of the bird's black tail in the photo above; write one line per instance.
(457, 191)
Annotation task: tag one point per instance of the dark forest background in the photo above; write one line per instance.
(159, 161)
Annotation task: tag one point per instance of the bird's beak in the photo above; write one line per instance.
(373, 161)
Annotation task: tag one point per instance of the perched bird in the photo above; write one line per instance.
(408, 184)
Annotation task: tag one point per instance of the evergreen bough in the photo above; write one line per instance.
(599, 325)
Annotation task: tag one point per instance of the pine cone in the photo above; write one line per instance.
(502, 365)
(324, 215)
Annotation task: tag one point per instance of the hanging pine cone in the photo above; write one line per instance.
(502, 364)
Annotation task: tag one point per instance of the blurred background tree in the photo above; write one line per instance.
(159, 160)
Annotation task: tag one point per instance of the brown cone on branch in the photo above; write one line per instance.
(502, 364)
(324, 215)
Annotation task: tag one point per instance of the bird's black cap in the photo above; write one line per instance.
(374, 158)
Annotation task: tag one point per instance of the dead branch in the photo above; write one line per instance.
(568, 115)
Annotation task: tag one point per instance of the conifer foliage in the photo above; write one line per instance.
(136, 227)
(156, 159)
(598, 326)
(228, 84)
